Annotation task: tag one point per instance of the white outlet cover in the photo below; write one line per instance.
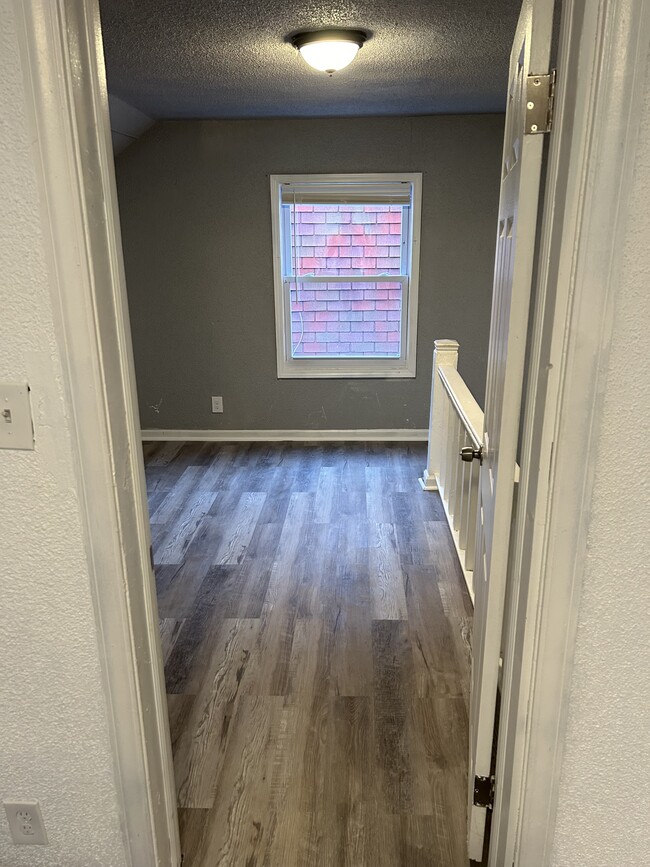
(25, 823)
(217, 404)
(16, 428)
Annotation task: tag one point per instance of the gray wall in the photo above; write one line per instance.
(195, 212)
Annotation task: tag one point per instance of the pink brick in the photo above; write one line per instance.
(365, 347)
(308, 317)
(326, 316)
(362, 326)
(374, 315)
(395, 294)
(376, 294)
(339, 305)
(391, 217)
(386, 336)
(304, 209)
(328, 209)
(350, 316)
(376, 209)
(338, 348)
(314, 347)
(306, 295)
(396, 252)
(357, 337)
(363, 305)
(388, 305)
(363, 262)
(384, 326)
(351, 295)
(352, 229)
(307, 250)
(367, 240)
(380, 251)
(338, 217)
(317, 326)
(338, 262)
(305, 230)
(315, 305)
(338, 240)
(355, 251)
(313, 218)
(384, 240)
(310, 262)
(394, 229)
(318, 241)
(391, 347)
(328, 295)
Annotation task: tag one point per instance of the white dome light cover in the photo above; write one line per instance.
(329, 50)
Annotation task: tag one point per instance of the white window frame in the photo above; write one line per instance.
(360, 367)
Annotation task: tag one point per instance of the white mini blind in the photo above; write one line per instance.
(346, 193)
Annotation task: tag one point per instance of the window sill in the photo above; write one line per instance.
(309, 371)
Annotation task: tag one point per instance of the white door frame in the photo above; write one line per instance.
(600, 79)
(63, 67)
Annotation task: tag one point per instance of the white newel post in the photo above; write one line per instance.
(444, 353)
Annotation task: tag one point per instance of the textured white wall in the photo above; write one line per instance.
(604, 809)
(54, 739)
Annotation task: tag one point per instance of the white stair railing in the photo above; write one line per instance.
(456, 422)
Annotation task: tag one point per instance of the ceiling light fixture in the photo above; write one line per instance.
(329, 50)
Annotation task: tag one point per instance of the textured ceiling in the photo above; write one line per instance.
(230, 58)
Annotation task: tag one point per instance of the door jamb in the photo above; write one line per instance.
(66, 103)
(601, 79)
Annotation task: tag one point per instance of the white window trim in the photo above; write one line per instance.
(347, 368)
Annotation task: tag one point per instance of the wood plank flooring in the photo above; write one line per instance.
(315, 630)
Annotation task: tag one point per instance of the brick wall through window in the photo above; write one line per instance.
(341, 318)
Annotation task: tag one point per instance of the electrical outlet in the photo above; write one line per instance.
(25, 823)
(217, 404)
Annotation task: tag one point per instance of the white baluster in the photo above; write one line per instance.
(452, 451)
(444, 410)
(460, 466)
(472, 515)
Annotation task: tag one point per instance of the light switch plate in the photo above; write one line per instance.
(16, 427)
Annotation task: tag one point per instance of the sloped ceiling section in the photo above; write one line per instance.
(127, 123)
(231, 58)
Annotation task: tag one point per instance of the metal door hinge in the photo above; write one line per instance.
(540, 93)
(484, 792)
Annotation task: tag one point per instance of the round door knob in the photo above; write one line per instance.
(469, 454)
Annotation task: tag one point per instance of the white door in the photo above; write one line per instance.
(515, 249)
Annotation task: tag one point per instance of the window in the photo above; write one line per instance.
(346, 262)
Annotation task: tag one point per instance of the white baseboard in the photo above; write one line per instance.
(245, 436)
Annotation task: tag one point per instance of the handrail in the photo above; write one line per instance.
(469, 412)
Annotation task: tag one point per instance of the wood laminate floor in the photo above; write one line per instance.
(315, 630)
